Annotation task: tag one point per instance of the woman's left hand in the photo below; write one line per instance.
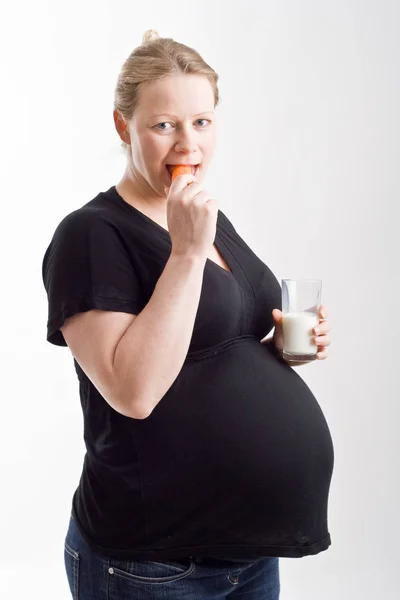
(321, 336)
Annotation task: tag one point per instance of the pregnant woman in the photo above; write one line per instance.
(207, 456)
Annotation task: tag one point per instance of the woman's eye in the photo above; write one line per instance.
(163, 123)
(160, 125)
(205, 120)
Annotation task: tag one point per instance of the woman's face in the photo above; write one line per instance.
(174, 123)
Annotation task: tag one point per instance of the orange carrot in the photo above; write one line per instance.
(180, 170)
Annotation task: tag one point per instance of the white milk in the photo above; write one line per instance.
(297, 332)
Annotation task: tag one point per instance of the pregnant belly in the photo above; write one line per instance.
(243, 450)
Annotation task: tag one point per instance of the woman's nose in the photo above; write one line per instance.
(186, 142)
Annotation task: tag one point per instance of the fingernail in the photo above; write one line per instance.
(323, 314)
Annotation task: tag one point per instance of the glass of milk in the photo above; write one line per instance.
(301, 300)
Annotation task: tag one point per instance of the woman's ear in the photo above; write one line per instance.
(121, 126)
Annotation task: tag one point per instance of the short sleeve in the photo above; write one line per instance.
(87, 266)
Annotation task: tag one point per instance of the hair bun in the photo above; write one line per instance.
(150, 35)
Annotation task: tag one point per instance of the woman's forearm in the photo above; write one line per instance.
(152, 351)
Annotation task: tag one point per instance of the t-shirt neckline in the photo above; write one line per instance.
(139, 212)
(166, 233)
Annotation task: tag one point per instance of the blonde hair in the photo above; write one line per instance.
(157, 58)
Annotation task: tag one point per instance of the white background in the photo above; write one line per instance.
(307, 170)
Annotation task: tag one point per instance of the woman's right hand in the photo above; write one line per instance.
(191, 217)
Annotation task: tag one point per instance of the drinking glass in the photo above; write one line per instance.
(301, 300)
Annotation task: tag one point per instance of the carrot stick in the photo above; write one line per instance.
(180, 170)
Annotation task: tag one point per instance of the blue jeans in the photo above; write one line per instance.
(94, 577)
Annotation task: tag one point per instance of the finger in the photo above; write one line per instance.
(192, 190)
(323, 311)
(322, 340)
(182, 181)
(322, 355)
(322, 328)
(200, 197)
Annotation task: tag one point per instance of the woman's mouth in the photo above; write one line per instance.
(195, 169)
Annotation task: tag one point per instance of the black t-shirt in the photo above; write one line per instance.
(236, 460)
